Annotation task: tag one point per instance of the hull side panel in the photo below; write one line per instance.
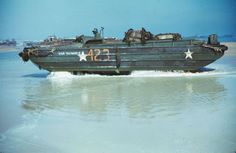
(127, 59)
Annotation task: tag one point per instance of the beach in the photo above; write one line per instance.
(145, 112)
(8, 49)
(231, 48)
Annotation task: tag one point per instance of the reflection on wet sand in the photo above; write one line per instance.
(137, 97)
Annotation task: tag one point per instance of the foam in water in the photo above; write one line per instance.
(60, 75)
(67, 75)
(212, 70)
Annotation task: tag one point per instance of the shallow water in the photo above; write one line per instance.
(145, 112)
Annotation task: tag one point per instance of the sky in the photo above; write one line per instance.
(37, 19)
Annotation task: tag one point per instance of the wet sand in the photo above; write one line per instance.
(145, 112)
(8, 48)
(231, 48)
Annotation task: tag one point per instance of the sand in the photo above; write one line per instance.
(4, 49)
(231, 48)
(8, 48)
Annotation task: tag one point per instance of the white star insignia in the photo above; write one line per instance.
(82, 56)
(188, 54)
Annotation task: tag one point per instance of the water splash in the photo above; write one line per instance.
(60, 75)
(206, 72)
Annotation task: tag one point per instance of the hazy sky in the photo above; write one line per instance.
(36, 19)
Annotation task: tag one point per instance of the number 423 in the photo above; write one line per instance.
(99, 54)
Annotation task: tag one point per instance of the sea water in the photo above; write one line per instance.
(145, 112)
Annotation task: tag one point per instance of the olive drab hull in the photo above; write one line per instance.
(111, 56)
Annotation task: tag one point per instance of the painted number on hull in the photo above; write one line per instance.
(94, 54)
(99, 54)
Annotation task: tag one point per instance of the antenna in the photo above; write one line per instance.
(102, 32)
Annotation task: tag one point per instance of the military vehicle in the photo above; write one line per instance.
(139, 50)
